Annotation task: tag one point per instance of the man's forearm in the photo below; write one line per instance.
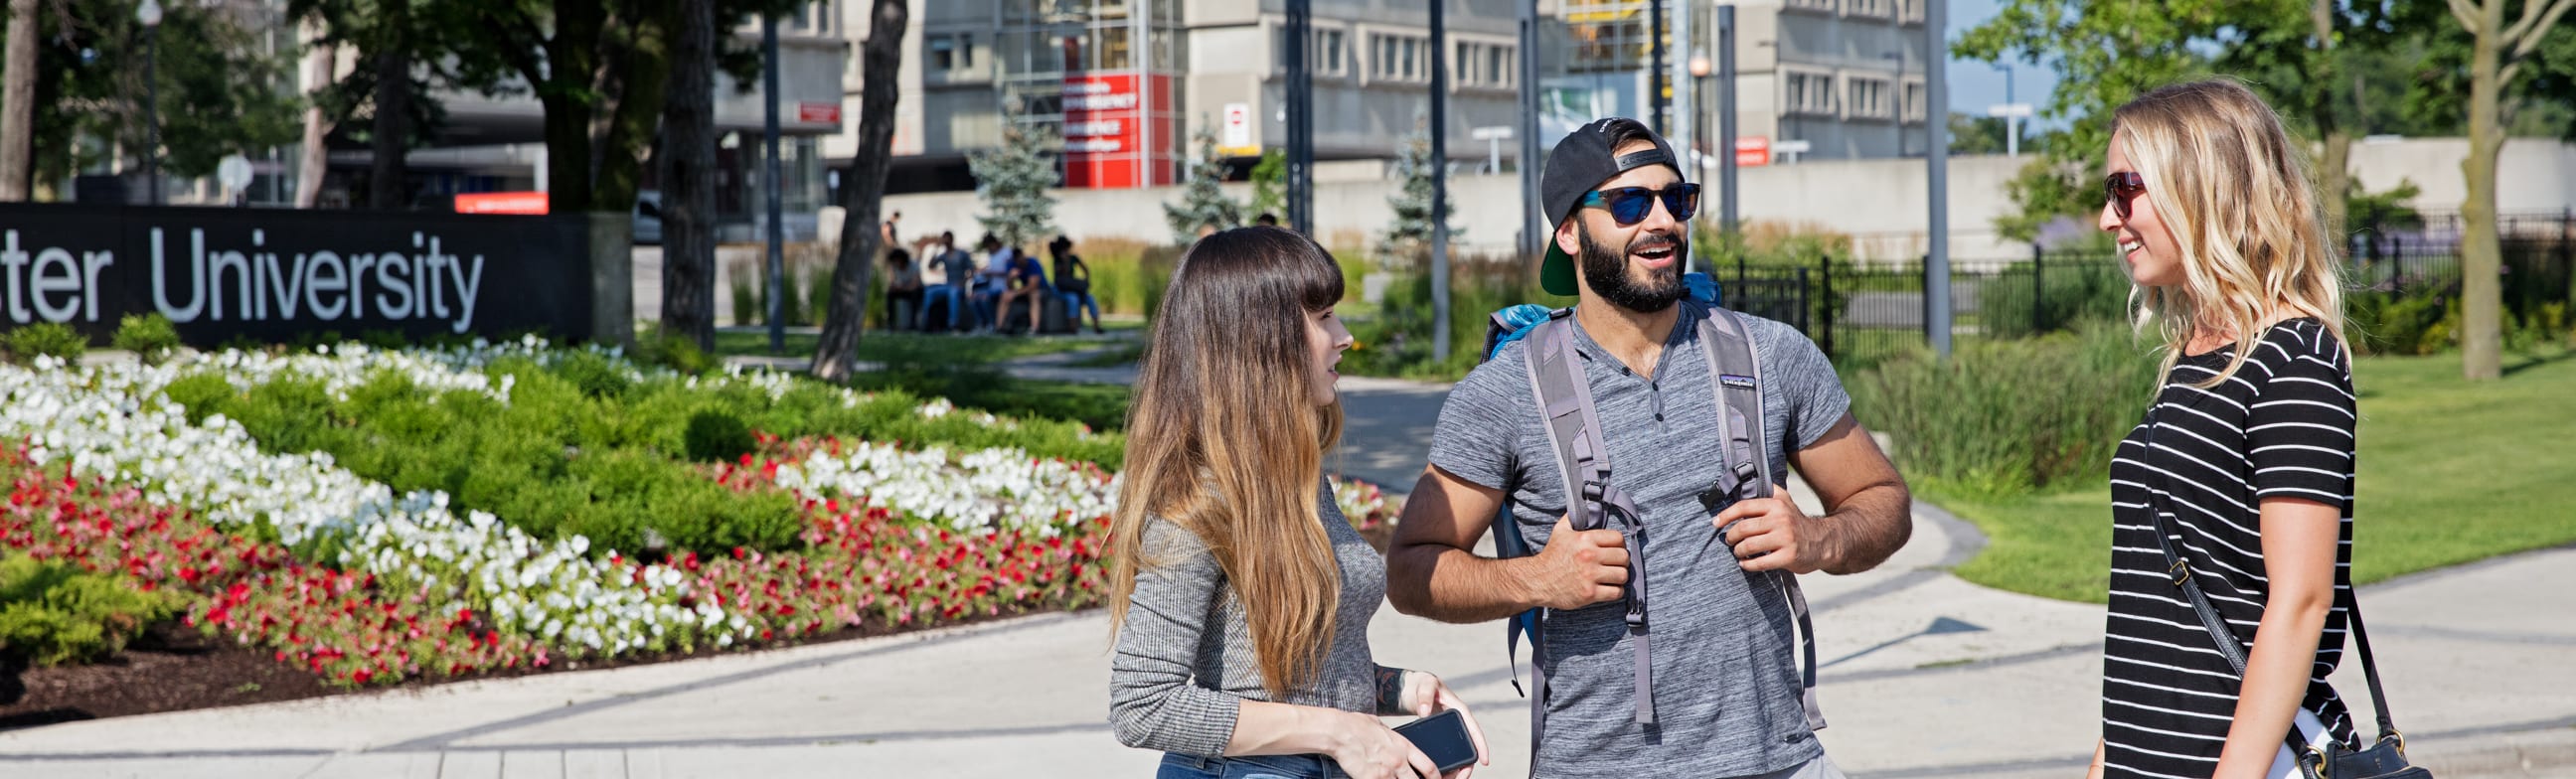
(1449, 584)
(1870, 527)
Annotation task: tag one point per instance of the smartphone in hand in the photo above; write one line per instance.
(1443, 738)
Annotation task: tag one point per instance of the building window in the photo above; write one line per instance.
(1866, 97)
(1825, 6)
(952, 52)
(1809, 94)
(1325, 52)
(1914, 103)
(1874, 9)
(1483, 65)
(1909, 11)
(1399, 58)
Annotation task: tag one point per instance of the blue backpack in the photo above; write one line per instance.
(1574, 432)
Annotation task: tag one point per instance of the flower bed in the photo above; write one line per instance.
(336, 571)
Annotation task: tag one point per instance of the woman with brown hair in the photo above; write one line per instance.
(1240, 595)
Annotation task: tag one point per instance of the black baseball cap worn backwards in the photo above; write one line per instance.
(1578, 165)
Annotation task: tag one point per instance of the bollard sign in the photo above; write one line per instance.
(220, 273)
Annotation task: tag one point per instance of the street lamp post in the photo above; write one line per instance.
(1699, 69)
(150, 15)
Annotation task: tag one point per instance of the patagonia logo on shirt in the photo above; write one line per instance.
(1734, 381)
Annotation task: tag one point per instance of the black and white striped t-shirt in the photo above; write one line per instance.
(2281, 427)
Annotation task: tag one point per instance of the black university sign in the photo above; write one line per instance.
(273, 274)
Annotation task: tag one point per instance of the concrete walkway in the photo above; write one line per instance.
(1924, 676)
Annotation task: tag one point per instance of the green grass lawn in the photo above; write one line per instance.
(2450, 472)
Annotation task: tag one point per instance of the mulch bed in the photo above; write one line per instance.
(173, 667)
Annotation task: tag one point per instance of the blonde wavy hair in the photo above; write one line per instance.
(2236, 193)
(1224, 440)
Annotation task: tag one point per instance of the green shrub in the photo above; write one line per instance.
(595, 374)
(2005, 417)
(1397, 340)
(1129, 277)
(52, 613)
(150, 337)
(2073, 292)
(746, 299)
(2417, 323)
(43, 339)
(715, 436)
(675, 351)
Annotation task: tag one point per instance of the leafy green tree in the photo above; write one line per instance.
(2498, 51)
(2108, 53)
(1012, 180)
(221, 91)
(1408, 236)
(1202, 203)
(1269, 183)
(397, 43)
(1976, 134)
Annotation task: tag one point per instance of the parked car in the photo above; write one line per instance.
(648, 218)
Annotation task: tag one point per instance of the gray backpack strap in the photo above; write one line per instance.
(1735, 371)
(1592, 503)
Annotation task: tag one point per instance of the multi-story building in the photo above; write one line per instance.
(1121, 113)
(1843, 78)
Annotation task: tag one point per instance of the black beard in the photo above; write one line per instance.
(1608, 272)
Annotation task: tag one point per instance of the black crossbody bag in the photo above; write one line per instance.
(2384, 759)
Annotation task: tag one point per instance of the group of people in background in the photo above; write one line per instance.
(978, 289)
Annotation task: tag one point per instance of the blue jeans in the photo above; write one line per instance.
(1074, 302)
(956, 306)
(1262, 767)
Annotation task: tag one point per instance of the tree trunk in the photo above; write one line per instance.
(385, 190)
(18, 104)
(863, 192)
(572, 57)
(316, 160)
(2481, 292)
(640, 75)
(2334, 175)
(687, 164)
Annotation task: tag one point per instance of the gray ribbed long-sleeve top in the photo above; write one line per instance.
(1185, 656)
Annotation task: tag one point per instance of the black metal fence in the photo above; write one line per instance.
(1861, 314)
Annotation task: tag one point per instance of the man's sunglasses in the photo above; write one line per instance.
(1630, 205)
(2121, 188)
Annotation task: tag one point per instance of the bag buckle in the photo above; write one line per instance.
(2180, 571)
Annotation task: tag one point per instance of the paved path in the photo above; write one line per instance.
(1924, 676)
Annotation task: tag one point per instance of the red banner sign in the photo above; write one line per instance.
(1752, 151)
(501, 203)
(818, 113)
(1105, 131)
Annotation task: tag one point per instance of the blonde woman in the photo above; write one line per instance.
(2244, 464)
(1240, 596)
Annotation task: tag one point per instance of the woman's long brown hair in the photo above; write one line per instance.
(1224, 439)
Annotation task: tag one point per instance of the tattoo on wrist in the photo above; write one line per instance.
(1390, 688)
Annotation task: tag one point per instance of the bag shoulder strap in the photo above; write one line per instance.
(1593, 502)
(1735, 379)
(2158, 506)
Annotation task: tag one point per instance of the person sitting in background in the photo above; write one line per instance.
(1028, 282)
(903, 284)
(959, 268)
(991, 281)
(1073, 281)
